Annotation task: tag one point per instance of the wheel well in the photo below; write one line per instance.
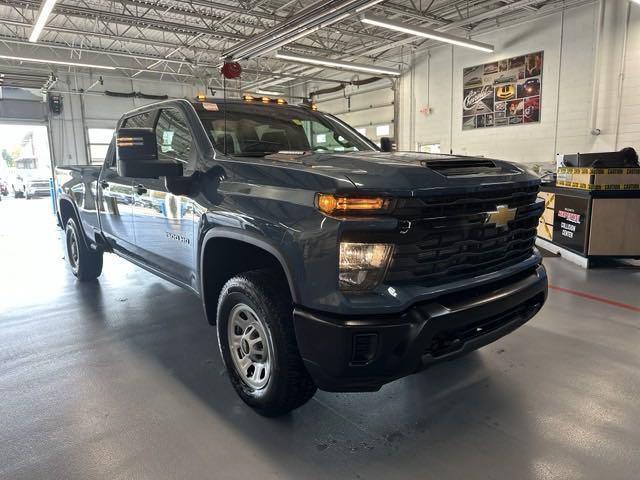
(225, 257)
(66, 212)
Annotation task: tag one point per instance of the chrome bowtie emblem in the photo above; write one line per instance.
(501, 217)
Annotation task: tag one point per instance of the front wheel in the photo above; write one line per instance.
(258, 345)
(85, 263)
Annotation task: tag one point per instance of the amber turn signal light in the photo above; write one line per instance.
(331, 204)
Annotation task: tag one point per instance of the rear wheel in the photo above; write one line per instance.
(258, 345)
(85, 263)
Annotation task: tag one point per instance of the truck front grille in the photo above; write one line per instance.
(447, 238)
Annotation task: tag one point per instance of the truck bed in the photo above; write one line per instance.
(80, 183)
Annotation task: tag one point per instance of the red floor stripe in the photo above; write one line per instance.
(596, 298)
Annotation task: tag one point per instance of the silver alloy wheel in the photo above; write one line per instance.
(72, 248)
(250, 346)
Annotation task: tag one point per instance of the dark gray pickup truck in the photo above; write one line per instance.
(323, 261)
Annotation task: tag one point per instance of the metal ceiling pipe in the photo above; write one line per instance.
(303, 18)
(321, 15)
(215, 6)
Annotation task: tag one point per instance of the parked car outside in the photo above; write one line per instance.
(37, 188)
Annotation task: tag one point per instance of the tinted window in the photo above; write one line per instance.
(173, 136)
(142, 120)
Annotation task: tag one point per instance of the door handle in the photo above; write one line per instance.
(140, 190)
(104, 184)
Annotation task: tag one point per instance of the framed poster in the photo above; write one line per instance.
(506, 92)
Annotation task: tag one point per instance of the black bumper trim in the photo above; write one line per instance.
(429, 332)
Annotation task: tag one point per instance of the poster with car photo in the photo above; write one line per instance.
(503, 92)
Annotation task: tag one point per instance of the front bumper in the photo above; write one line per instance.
(355, 353)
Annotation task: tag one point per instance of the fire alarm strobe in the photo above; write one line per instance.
(231, 69)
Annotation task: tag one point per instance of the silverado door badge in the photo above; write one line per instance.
(501, 217)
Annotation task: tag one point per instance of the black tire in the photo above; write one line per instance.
(289, 385)
(85, 263)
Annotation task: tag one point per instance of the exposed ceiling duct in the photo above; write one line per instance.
(309, 20)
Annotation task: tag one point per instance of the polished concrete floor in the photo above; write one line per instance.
(122, 379)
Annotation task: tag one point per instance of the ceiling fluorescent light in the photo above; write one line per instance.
(43, 16)
(325, 62)
(426, 33)
(55, 62)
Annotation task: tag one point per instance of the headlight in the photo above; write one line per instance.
(362, 265)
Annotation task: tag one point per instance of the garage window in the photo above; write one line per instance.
(99, 140)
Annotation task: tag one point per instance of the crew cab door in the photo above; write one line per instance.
(164, 222)
(115, 194)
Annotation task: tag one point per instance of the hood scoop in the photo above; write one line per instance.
(463, 167)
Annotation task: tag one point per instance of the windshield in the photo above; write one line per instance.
(257, 130)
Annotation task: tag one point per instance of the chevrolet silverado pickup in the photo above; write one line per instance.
(322, 261)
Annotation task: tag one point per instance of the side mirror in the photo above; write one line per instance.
(137, 155)
(386, 144)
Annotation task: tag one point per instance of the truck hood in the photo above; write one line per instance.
(411, 173)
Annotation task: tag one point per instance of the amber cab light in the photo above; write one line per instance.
(331, 204)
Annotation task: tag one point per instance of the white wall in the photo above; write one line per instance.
(569, 48)
(96, 110)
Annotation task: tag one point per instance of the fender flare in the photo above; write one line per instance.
(63, 196)
(251, 239)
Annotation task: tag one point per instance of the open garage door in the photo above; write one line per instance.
(25, 162)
